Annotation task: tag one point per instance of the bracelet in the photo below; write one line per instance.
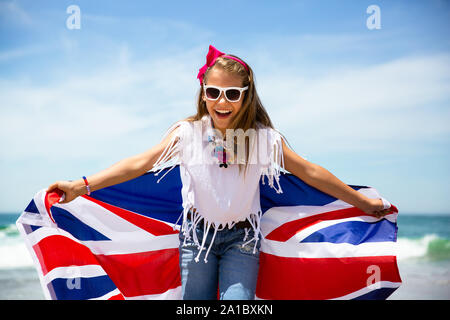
(87, 186)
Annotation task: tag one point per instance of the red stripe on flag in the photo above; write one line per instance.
(50, 199)
(289, 229)
(59, 251)
(150, 225)
(144, 273)
(117, 297)
(320, 278)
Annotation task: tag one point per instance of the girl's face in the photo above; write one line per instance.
(221, 78)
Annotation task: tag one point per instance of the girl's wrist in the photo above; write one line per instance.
(79, 187)
(363, 202)
(368, 204)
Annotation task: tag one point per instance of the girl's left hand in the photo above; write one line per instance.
(375, 207)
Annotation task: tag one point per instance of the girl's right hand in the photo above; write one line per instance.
(376, 208)
(69, 188)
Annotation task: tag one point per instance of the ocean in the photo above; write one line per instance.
(423, 253)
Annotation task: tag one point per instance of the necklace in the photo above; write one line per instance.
(224, 156)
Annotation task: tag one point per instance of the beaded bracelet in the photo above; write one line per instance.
(87, 186)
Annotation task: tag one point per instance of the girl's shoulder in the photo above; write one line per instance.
(176, 129)
(185, 129)
(261, 126)
(183, 123)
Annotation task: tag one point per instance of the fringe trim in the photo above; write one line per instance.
(169, 158)
(255, 222)
(189, 231)
(276, 162)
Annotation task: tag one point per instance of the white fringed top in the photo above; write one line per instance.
(220, 196)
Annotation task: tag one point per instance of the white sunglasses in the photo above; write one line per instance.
(232, 94)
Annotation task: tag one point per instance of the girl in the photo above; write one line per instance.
(220, 179)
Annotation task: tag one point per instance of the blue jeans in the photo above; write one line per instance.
(231, 268)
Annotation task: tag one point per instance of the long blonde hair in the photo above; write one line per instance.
(252, 110)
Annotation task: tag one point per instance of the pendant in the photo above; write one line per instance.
(219, 152)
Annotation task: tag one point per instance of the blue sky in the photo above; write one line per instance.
(371, 106)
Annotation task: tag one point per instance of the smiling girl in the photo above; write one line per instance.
(220, 234)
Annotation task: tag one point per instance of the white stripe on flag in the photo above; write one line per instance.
(104, 221)
(108, 295)
(107, 247)
(171, 294)
(72, 272)
(327, 250)
(41, 233)
(371, 193)
(276, 216)
(132, 246)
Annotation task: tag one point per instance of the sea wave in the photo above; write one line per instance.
(429, 247)
(7, 231)
(13, 252)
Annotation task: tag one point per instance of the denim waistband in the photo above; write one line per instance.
(239, 225)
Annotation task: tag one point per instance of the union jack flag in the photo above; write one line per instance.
(121, 242)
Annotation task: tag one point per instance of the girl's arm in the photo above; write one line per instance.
(122, 171)
(325, 181)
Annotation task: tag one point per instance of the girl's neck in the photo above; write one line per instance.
(223, 131)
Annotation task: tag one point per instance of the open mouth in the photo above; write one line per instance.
(222, 114)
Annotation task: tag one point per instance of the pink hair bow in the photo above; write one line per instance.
(211, 58)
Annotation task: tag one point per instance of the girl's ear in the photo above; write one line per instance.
(203, 96)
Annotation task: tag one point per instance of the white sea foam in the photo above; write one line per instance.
(428, 246)
(14, 254)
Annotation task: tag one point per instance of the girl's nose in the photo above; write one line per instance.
(222, 98)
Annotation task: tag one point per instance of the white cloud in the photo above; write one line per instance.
(97, 111)
(12, 12)
(363, 108)
(8, 55)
